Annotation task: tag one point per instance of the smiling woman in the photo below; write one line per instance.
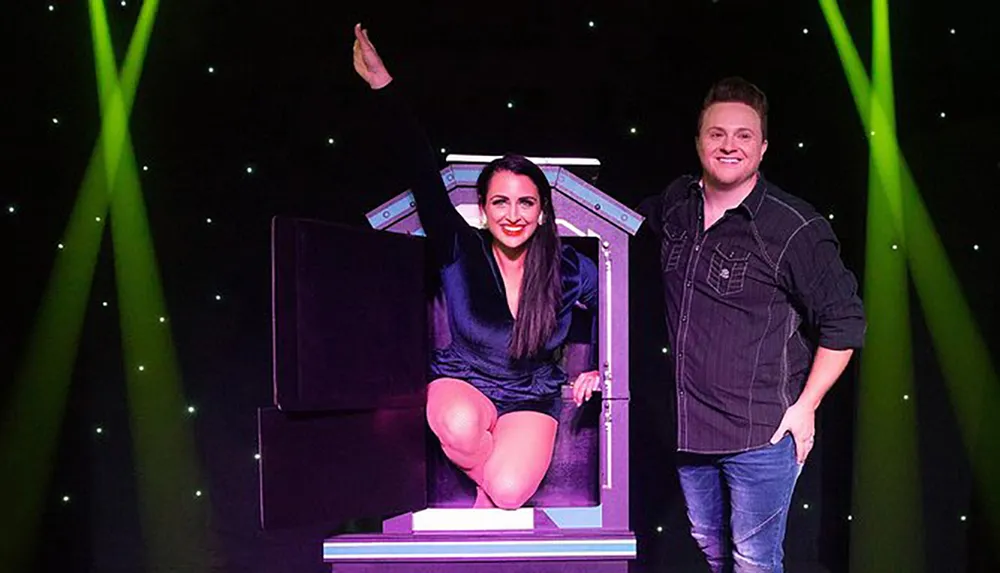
(510, 291)
(516, 200)
(513, 208)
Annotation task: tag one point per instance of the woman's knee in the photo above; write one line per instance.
(509, 490)
(458, 425)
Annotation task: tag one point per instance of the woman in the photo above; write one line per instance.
(510, 288)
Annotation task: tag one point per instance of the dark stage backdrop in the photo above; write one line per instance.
(247, 110)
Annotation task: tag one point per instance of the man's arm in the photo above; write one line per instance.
(826, 369)
(816, 277)
(800, 418)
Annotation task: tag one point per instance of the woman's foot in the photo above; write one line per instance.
(483, 500)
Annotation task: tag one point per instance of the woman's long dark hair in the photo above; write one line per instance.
(541, 286)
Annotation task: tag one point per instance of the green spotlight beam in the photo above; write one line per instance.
(30, 428)
(886, 532)
(968, 370)
(887, 516)
(876, 119)
(173, 515)
(886, 509)
(116, 97)
(33, 421)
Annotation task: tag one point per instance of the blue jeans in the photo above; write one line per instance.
(738, 505)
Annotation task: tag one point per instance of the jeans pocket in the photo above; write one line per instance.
(727, 270)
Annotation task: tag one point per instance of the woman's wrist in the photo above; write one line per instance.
(380, 81)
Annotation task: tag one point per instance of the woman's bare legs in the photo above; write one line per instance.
(462, 418)
(506, 457)
(522, 451)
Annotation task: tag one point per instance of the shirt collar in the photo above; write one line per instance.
(750, 205)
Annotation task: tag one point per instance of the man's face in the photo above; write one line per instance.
(730, 144)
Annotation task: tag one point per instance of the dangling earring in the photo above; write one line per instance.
(541, 218)
(482, 219)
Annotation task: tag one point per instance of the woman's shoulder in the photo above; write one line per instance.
(576, 264)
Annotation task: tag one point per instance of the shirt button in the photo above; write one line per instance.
(684, 318)
(688, 284)
(697, 248)
(680, 355)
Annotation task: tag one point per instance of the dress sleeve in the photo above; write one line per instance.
(588, 296)
(410, 148)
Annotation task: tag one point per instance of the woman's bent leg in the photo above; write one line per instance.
(522, 451)
(462, 418)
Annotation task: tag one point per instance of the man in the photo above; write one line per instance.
(762, 319)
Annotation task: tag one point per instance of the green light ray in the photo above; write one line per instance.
(31, 425)
(886, 527)
(173, 517)
(965, 360)
(33, 420)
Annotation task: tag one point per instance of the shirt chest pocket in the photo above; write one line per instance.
(727, 270)
(671, 247)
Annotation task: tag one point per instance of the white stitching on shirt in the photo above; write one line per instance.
(756, 362)
(788, 243)
(787, 206)
(762, 246)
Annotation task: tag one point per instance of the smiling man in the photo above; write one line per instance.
(762, 319)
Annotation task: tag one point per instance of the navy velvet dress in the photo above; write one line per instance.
(479, 318)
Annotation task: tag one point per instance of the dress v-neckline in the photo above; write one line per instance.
(498, 276)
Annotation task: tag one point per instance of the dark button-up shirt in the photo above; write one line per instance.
(747, 301)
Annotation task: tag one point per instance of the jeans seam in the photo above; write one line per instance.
(759, 527)
(785, 505)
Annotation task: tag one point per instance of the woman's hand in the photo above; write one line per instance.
(585, 385)
(367, 62)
